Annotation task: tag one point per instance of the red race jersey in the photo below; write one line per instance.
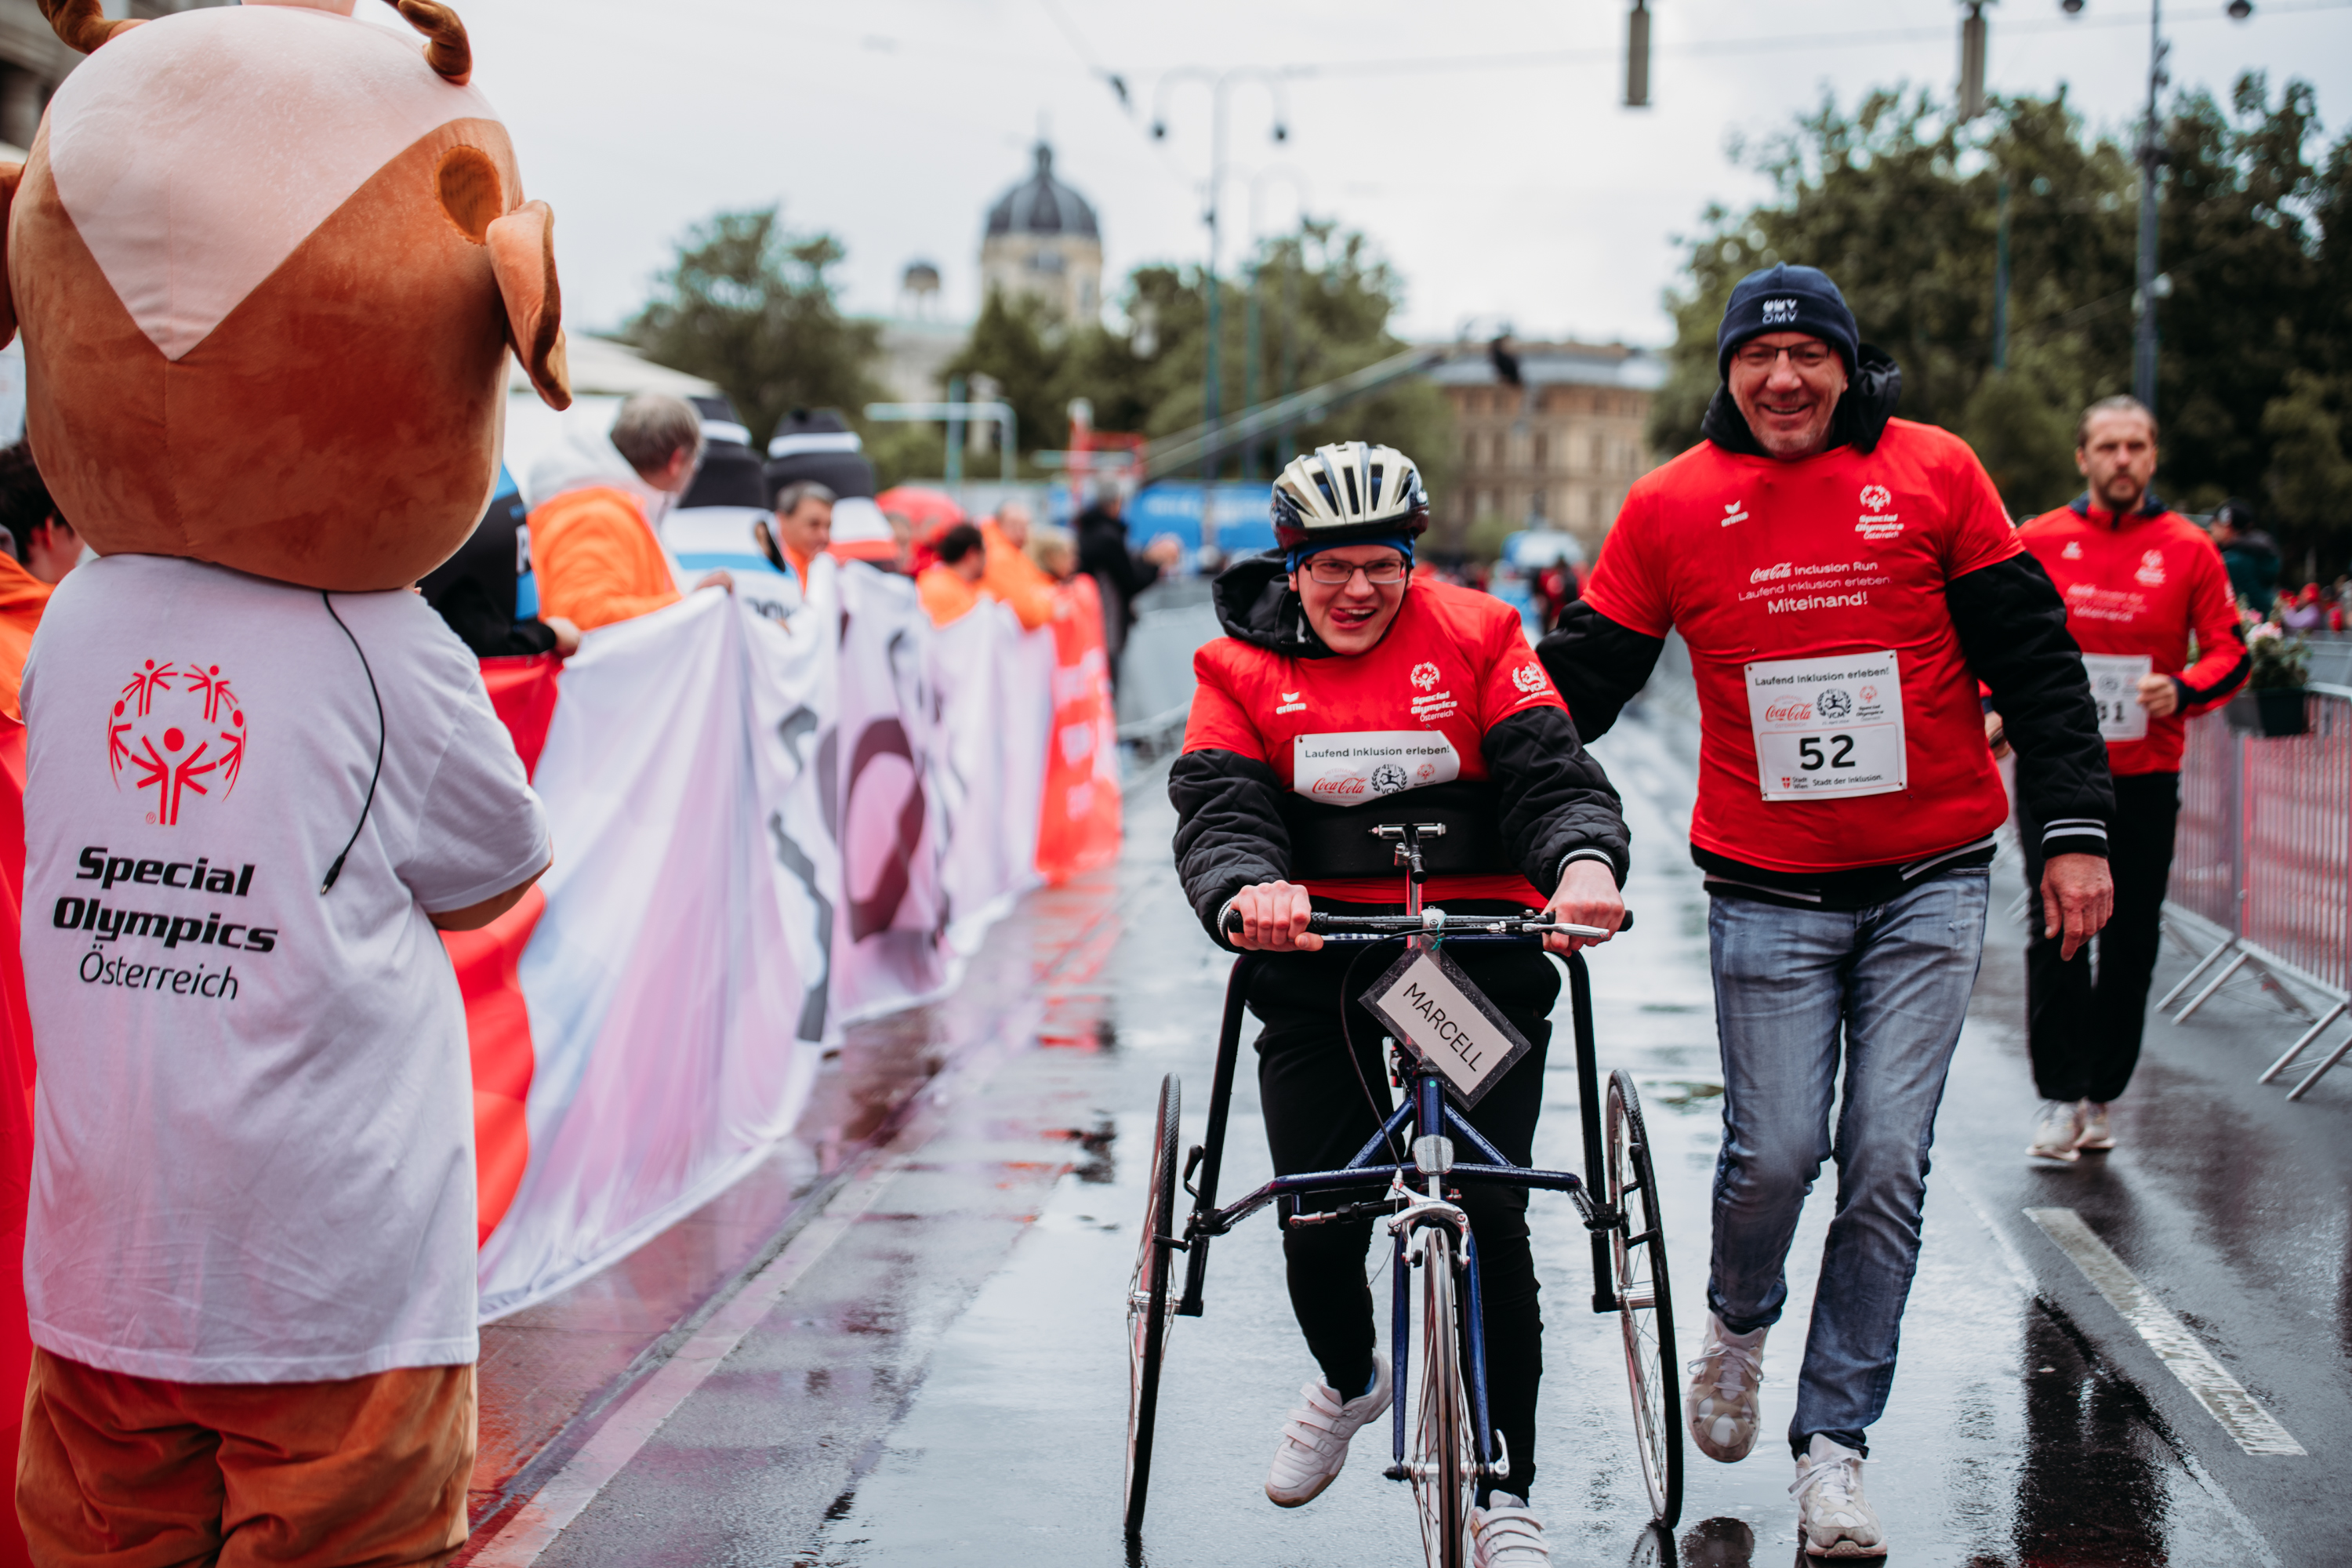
(1347, 730)
(2135, 588)
(1800, 587)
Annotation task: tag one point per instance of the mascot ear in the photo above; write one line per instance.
(10, 174)
(522, 257)
(83, 24)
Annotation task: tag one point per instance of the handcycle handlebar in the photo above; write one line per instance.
(1437, 922)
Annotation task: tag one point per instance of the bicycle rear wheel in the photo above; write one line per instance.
(1637, 1250)
(1442, 1461)
(1146, 1302)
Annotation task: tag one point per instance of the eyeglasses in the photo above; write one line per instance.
(1804, 357)
(1332, 573)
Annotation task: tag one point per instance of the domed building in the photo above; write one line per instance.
(1041, 241)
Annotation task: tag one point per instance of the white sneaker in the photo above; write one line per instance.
(2058, 1132)
(1315, 1439)
(2093, 1116)
(1832, 1521)
(1504, 1534)
(1720, 1406)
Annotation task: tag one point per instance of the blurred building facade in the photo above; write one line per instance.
(1042, 242)
(33, 61)
(1559, 448)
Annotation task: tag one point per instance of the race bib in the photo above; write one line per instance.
(1827, 727)
(2115, 687)
(1349, 769)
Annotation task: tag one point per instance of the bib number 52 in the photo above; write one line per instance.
(1810, 756)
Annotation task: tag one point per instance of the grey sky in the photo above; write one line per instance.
(1509, 183)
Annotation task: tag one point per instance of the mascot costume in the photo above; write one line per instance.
(270, 262)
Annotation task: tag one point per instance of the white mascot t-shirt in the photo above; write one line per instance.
(254, 1129)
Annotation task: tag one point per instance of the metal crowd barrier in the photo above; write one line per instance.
(2262, 864)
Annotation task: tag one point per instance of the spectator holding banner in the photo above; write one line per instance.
(1843, 580)
(1121, 573)
(1010, 575)
(593, 505)
(2139, 584)
(802, 529)
(42, 548)
(949, 586)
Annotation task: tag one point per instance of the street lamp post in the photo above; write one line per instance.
(2149, 285)
(1220, 84)
(2151, 154)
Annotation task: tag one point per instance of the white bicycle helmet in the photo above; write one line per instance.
(1347, 491)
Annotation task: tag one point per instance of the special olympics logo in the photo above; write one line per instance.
(1387, 779)
(180, 731)
(1876, 497)
(1834, 703)
(1528, 678)
(1425, 675)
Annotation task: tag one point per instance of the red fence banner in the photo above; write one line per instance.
(1078, 821)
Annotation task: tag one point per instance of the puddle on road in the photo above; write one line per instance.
(1681, 1094)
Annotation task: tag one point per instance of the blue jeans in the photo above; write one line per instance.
(1893, 981)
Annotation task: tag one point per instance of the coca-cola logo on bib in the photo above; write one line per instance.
(177, 732)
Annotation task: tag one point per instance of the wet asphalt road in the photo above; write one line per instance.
(934, 1373)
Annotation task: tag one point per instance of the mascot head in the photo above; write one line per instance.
(269, 261)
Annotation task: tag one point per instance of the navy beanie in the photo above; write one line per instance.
(1786, 298)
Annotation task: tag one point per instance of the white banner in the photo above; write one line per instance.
(764, 831)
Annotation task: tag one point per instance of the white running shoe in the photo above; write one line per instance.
(1832, 1520)
(1504, 1534)
(2057, 1132)
(2094, 1116)
(1315, 1439)
(1720, 1406)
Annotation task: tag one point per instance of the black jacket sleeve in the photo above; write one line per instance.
(1230, 833)
(1555, 798)
(1597, 665)
(2012, 627)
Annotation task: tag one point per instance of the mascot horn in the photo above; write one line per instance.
(269, 262)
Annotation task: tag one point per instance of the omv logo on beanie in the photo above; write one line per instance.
(180, 732)
(1785, 299)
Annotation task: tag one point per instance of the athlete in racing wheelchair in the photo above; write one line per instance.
(1346, 678)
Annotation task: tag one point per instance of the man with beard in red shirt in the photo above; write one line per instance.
(1843, 580)
(2138, 581)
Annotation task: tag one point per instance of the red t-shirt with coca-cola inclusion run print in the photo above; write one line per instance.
(1413, 710)
(1810, 568)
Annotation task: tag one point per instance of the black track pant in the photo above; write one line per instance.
(1316, 1117)
(2084, 1031)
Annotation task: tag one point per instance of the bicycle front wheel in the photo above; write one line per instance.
(1645, 1308)
(1146, 1302)
(1442, 1461)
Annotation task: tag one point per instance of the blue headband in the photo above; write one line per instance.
(1400, 542)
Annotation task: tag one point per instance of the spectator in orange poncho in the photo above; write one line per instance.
(1011, 576)
(42, 548)
(593, 550)
(950, 588)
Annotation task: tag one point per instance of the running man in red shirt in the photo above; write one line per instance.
(2139, 582)
(1843, 580)
(1345, 677)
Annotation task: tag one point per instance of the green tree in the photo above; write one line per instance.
(1901, 206)
(749, 305)
(1335, 294)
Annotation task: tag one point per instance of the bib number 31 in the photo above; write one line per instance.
(1827, 728)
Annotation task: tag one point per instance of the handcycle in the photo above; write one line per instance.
(1448, 1445)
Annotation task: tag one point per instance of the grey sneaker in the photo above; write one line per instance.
(2093, 1114)
(1832, 1520)
(1720, 1404)
(1315, 1439)
(1504, 1534)
(2057, 1132)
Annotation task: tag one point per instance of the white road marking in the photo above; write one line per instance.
(2257, 1431)
(565, 1497)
